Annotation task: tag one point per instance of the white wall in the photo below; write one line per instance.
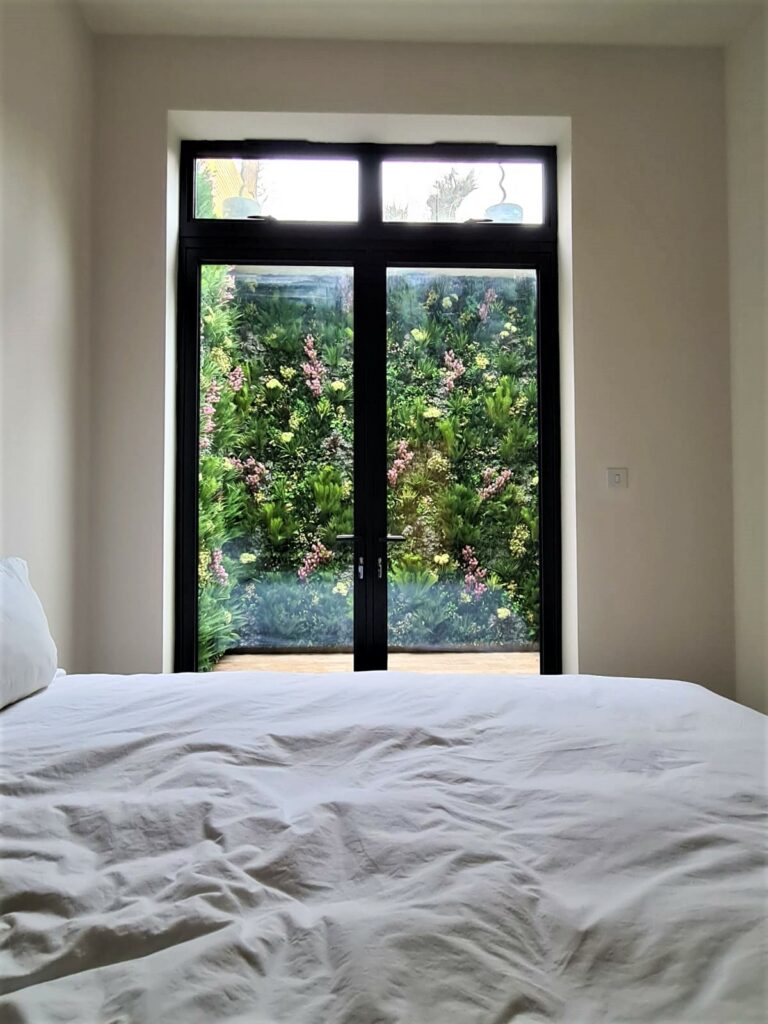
(651, 358)
(45, 122)
(747, 95)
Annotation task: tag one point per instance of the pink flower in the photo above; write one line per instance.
(218, 571)
(254, 472)
(317, 555)
(236, 378)
(313, 370)
(403, 458)
(473, 574)
(207, 412)
(493, 484)
(455, 369)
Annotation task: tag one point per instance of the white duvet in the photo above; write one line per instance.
(381, 849)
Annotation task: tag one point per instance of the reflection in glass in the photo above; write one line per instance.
(462, 475)
(275, 464)
(429, 191)
(231, 188)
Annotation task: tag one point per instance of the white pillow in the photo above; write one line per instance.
(27, 651)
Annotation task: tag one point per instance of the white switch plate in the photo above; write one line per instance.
(618, 477)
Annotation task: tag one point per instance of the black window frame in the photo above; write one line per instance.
(369, 245)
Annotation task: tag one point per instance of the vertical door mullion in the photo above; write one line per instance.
(370, 427)
(377, 461)
(370, 463)
(362, 597)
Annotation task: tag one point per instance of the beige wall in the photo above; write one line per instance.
(747, 95)
(45, 125)
(651, 358)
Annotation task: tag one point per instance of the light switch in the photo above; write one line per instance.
(618, 477)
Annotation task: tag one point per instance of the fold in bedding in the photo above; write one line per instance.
(381, 849)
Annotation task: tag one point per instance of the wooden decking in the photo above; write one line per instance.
(463, 662)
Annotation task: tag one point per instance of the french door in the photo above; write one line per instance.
(367, 406)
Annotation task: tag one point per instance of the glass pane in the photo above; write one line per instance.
(229, 188)
(503, 193)
(275, 466)
(463, 470)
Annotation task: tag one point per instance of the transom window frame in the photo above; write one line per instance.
(370, 245)
(370, 157)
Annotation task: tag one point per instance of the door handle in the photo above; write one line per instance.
(391, 538)
(351, 538)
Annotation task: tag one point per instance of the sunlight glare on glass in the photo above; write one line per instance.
(290, 189)
(408, 186)
(311, 189)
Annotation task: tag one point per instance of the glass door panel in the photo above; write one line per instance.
(463, 470)
(275, 501)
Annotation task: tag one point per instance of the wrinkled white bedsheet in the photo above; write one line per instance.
(383, 848)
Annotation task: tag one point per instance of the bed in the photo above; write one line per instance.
(381, 848)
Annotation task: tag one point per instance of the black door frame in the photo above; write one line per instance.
(369, 246)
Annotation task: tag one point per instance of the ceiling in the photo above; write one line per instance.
(633, 22)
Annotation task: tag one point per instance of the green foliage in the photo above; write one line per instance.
(275, 482)
(220, 626)
(329, 491)
(278, 524)
(498, 405)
